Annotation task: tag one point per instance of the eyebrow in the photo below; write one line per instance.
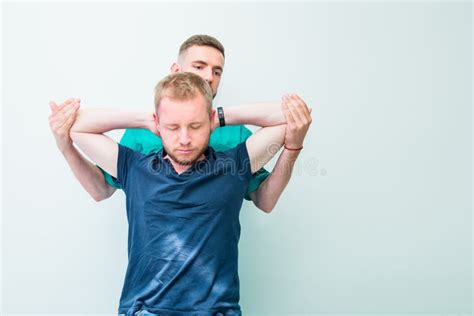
(177, 125)
(204, 63)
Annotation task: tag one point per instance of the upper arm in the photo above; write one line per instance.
(100, 148)
(264, 144)
(129, 139)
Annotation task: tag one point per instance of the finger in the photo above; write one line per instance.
(68, 118)
(70, 108)
(67, 107)
(303, 108)
(294, 109)
(71, 119)
(63, 104)
(64, 114)
(68, 101)
(288, 116)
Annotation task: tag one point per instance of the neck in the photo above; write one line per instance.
(179, 168)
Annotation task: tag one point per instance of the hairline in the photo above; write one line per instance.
(181, 54)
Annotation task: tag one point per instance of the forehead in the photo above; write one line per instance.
(207, 54)
(183, 111)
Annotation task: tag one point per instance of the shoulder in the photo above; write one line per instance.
(138, 160)
(140, 133)
(130, 153)
(141, 140)
(237, 152)
(227, 137)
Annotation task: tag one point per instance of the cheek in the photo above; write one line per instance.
(167, 136)
(215, 84)
(203, 135)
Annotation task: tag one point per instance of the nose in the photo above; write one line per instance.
(209, 76)
(184, 138)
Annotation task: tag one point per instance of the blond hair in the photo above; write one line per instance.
(201, 40)
(183, 86)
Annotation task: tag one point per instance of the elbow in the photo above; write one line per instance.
(266, 208)
(98, 198)
(102, 195)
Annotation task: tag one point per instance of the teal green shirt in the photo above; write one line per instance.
(222, 139)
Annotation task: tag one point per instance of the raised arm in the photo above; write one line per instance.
(296, 114)
(89, 176)
(87, 133)
(298, 119)
(258, 114)
(264, 144)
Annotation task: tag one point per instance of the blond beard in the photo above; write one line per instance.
(185, 162)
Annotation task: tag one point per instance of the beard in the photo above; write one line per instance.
(190, 159)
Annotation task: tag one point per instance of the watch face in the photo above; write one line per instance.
(220, 113)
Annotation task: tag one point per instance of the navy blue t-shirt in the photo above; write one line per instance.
(183, 232)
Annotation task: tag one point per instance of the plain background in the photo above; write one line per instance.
(378, 215)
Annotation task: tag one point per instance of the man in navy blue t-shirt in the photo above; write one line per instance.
(183, 202)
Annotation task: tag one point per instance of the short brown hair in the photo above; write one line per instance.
(201, 40)
(183, 86)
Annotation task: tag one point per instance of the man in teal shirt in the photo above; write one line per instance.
(204, 56)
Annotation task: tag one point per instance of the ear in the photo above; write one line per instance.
(214, 123)
(174, 67)
(157, 123)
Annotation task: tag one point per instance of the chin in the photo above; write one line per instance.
(185, 160)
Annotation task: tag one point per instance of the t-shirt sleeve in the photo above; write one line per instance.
(127, 158)
(260, 175)
(109, 179)
(257, 179)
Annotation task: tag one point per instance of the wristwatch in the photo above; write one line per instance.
(220, 114)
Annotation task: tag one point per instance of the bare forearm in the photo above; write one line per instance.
(268, 193)
(99, 121)
(88, 175)
(259, 114)
(264, 144)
